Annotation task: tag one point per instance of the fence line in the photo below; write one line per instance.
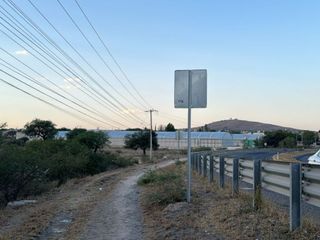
(299, 181)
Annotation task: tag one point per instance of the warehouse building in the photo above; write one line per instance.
(178, 140)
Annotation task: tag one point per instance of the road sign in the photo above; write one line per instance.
(190, 91)
(198, 80)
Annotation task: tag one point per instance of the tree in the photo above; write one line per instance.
(274, 138)
(170, 128)
(64, 129)
(141, 140)
(3, 125)
(44, 129)
(75, 132)
(288, 142)
(309, 138)
(93, 140)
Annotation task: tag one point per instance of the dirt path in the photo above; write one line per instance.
(119, 215)
(104, 206)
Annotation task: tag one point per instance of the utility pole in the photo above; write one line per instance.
(151, 111)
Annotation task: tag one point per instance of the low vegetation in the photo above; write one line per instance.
(214, 213)
(31, 167)
(164, 186)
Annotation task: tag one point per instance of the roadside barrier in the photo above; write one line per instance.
(299, 181)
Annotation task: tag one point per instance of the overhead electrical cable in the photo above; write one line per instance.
(25, 75)
(111, 55)
(96, 51)
(127, 111)
(57, 100)
(48, 103)
(52, 82)
(75, 50)
(114, 108)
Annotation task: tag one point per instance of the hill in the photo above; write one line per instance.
(243, 125)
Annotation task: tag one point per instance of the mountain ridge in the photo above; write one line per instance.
(243, 125)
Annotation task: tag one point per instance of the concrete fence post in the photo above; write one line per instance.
(256, 184)
(235, 176)
(295, 196)
(221, 172)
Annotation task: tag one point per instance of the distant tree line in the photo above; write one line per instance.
(287, 139)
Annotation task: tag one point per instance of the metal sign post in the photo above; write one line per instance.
(190, 91)
(189, 137)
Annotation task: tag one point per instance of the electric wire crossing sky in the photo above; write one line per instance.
(93, 98)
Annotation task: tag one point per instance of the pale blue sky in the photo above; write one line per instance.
(262, 57)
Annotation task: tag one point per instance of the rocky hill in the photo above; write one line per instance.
(243, 125)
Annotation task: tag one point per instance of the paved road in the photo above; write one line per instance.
(259, 154)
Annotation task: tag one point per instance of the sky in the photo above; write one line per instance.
(262, 60)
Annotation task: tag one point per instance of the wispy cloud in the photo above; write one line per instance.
(22, 52)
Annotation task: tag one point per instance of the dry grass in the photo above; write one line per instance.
(216, 214)
(157, 156)
(291, 156)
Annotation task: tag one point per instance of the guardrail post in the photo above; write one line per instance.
(198, 162)
(202, 160)
(221, 172)
(208, 166)
(205, 158)
(295, 196)
(257, 184)
(235, 176)
(211, 171)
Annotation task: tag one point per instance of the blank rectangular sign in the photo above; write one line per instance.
(198, 88)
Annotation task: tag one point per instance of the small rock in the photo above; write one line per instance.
(21, 203)
(174, 207)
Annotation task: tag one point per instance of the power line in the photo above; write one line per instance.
(47, 95)
(110, 54)
(23, 74)
(95, 50)
(53, 83)
(75, 50)
(76, 75)
(46, 102)
(108, 107)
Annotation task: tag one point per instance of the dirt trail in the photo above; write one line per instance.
(104, 206)
(119, 215)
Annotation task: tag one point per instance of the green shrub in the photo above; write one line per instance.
(61, 159)
(159, 176)
(167, 186)
(18, 169)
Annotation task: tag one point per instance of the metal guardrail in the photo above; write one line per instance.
(298, 181)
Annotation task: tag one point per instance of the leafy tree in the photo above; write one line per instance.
(141, 140)
(273, 139)
(75, 132)
(133, 129)
(170, 128)
(309, 138)
(44, 129)
(64, 129)
(18, 168)
(3, 125)
(288, 142)
(93, 140)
